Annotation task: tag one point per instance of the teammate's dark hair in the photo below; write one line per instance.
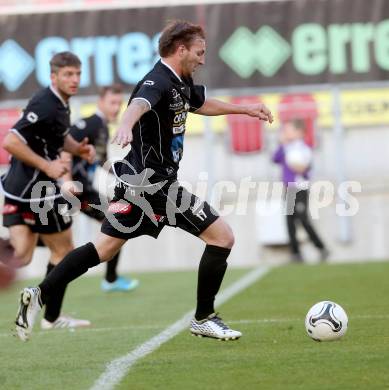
(62, 59)
(176, 33)
(113, 88)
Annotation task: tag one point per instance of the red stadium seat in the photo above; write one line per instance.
(246, 133)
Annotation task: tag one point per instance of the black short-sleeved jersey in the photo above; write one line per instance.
(96, 129)
(43, 126)
(159, 134)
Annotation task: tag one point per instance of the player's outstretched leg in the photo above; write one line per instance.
(207, 323)
(30, 305)
(213, 265)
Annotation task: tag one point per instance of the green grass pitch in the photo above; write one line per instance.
(274, 352)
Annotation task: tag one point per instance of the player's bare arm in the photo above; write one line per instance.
(21, 151)
(81, 149)
(133, 113)
(69, 186)
(213, 107)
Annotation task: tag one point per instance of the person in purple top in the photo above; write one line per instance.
(295, 158)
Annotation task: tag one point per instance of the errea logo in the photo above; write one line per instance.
(148, 82)
(311, 47)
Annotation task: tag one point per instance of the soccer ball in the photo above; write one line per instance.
(298, 156)
(326, 321)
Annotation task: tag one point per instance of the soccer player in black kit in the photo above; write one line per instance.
(148, 196)
(95, 128)
(34, 207)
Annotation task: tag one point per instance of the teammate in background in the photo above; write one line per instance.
(95, 128)
(33, 206)
(295, 157)
(148, 195)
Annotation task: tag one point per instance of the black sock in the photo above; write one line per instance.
(110, 273)
(54, 302)
(74, 264)
(212, 268)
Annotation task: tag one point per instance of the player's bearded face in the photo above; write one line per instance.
(67, 80)
(194, 57)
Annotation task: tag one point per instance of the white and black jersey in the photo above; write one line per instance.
(43, 126)
(96, 130)
(157, 145)
(158, 136)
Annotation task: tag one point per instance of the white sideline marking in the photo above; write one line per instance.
(157, 327)
(118, 368)
(91, 329)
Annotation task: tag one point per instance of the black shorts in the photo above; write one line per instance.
(46, 222)
(128, 215)
(89, 198)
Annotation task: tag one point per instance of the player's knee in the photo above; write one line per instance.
(23, 249)
(219, 234)
(24, 261)
(105, 252)
(228, 240)
(225, 239)
(65, 250)
(24, 256)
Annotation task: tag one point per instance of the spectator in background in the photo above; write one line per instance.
(295, 158)
(95, 128)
